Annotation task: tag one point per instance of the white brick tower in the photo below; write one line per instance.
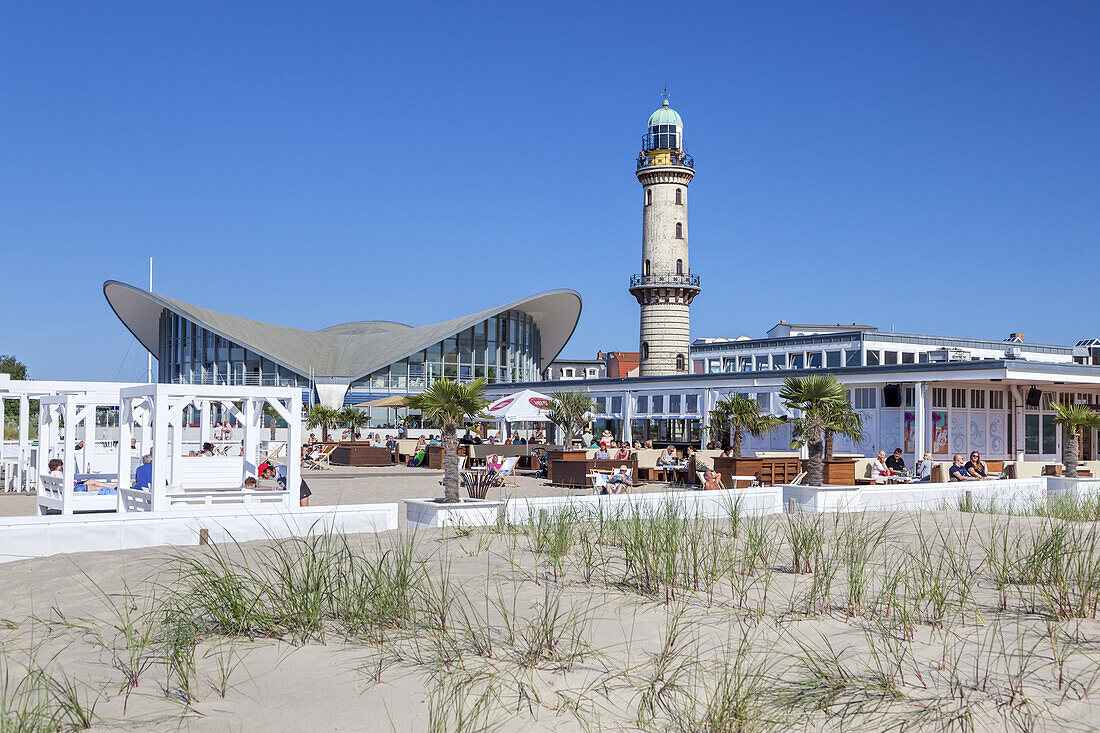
(665, 287)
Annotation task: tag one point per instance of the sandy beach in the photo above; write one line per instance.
(931, 621)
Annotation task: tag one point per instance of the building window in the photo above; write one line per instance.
(977, 399)
(679, 230)
(1031, 434)
(865, 398)
(645, 349)
(592, 372)
(853, 358)
(779, 361)
(645, 267)
(910, 396)
(568, 372)
(648, 196)
(691, 403)
(679, 267)
(939, 397)
(890, 357)
(908, 357)
(813, 360)
(796, 361)
(617, 405)
(958, 398)
(658, 403)
(745, 364)
(679, 197)
(674, 404)
(832, 359)
(601, 405)
(681, 363)
(643, 404)
(1050, 435)
(762, 364)
(872, 358)
(996, 400)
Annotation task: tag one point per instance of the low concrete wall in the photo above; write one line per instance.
(1016, 494)
(757, 500)
(26, 537)
(1075, 488)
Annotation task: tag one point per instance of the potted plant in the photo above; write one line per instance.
(816, 397)
(1072, 418)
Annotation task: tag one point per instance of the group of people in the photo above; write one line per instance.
(961, 469)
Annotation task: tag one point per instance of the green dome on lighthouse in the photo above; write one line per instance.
(665, 116)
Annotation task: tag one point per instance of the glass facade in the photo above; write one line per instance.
(503, 348)
(190, 354)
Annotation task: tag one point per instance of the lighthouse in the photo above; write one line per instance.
(666, 286)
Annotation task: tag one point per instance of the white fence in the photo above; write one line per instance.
(756, 500)
(27, 537)
(1013, 494)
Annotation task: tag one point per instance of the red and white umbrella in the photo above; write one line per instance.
(525, 406)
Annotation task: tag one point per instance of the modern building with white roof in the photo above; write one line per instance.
(350, 362)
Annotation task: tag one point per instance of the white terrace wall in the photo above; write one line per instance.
(1073, 488)
(27, 537)
(1014, 494)
(756, 501)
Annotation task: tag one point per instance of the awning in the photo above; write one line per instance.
(525, 406)
(391, 401)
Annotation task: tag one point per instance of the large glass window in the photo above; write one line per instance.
(813, 359)
(832, 359)
(779, 361)
(796, 361)
(1050, 435)
(853, 358)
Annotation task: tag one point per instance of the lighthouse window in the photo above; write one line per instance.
(681, 365)
(645, 349)
(679, 267)
(679, 230)
(679, 197)
(645, 268)
(648, 196)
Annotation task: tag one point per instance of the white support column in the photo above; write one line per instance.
(1018, 437)
(69, 469)
(628, 436)
(87, 456)
(704, 417)
(125, 431)
(158, 409)
(205, 430)
(919, 394)
(21, 467)
(294, 450)
(251, 441)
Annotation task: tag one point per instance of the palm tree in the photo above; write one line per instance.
(322, 417)
(816, 397)
(272, 418)
(353, 418)
(570, 411)
(742, 415)
(450, 404)
(1073, 418)
(844, 421)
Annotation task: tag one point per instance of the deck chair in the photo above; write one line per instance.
(507, 472)
(797, 480)
(599, 482)
(272, 455)
(321, 462)
(703, 481)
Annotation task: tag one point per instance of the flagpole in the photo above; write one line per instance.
(149, 362)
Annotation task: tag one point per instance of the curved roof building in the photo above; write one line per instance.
(350, 362)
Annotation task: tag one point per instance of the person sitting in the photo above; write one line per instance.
(958, 470)
(895, 462)
(668, 458)
(620, 481)
(422, 442)
(924, 468)
(391, 443)
(688, 453)
(432, 440)
(607, 438)
(143, 475)
(726, 452)
(466, 439)
(538, 437)
(623, 453)
(712, 481)
(508, 440)
(56, 468)
(976, 467)
(207, 449)
(711, 446)
(879, 470)
(602, 454)
(269, 471)
(493, 462)
(250, 483)
(418, 457)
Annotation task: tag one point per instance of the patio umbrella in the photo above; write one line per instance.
(524, 406)
(394, 401)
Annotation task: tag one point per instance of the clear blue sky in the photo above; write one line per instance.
(934, 167)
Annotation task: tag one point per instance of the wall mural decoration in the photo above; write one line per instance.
(940, 433)
(997, 434)
(958, 432)
(869, 433)
(977, 432)
(910, 432)
(889, 431)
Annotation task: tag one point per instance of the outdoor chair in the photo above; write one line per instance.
(797, 480)
(507, 471)
(322, 462)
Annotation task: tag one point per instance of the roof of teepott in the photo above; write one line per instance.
(349, 350)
